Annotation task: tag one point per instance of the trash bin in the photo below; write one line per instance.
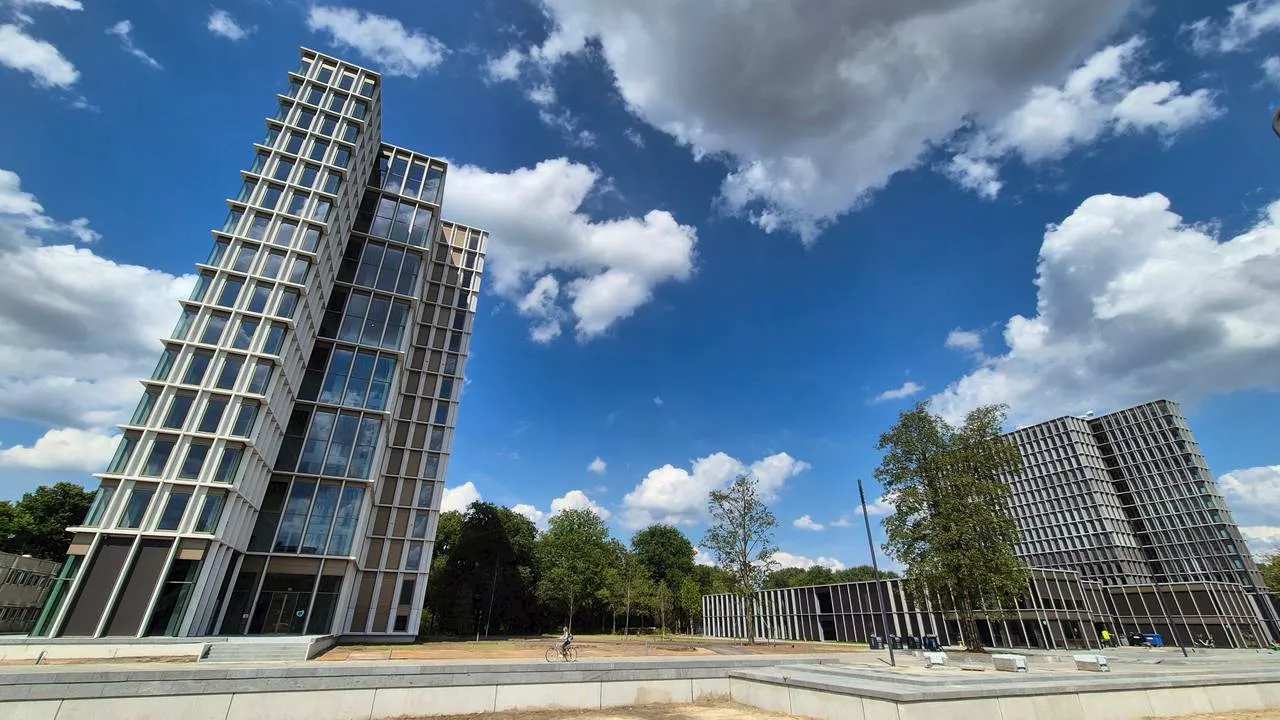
(876, 642)
(913, 642)
(895, 642)
(930, 643)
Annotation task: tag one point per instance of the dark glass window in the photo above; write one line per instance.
(171, 518)
(158, 458)
(213, 329)
(319, 148)
(230, 372)
(179, 408)
(245, 332)
(294, 517)
(297, 202)
(245, 419)
(294, 145)
(136, 508)
(228, 464)
(165, 363)
(212, 416)
(261, 377)
(298, 273)
(210, 512)
(185, 320)
(143, 411)
(344, 525)
(342, 158)
(219, 251)
(101, 501)
(284, 233)
(310, 238)
(271, 266)
(275, 339)
(309, 175)
(124, 452)
(258, 299)
(201, 287)
(284, 168)
(288, 303)
(323, 507)
(196, 367)
(244, 258)
(271, 198)
(435, 183)
(328, 124)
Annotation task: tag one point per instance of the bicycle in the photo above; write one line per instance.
(569, 654)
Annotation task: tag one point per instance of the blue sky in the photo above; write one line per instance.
(725, 236)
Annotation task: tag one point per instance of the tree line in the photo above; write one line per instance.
(494, 573)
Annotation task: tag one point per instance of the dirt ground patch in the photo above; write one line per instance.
(1245, 715)
(589, 647)
(701, 711)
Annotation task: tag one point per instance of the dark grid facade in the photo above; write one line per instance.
(284, 470)
(1127, 499)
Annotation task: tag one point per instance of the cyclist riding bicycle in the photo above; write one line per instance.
(565, 640)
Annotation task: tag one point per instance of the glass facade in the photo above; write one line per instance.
(282, 469)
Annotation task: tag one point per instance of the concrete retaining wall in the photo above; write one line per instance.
(98, 651)
(1124, 700)
(372, 704)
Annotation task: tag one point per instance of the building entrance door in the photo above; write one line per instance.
(282, 605)
(286, 612)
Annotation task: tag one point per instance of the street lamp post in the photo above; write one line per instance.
(875, 568)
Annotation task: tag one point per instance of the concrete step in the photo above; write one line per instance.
(232, 651)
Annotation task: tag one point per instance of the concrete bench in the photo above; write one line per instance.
(1091, 663)
(934, 658)
(1010, 663)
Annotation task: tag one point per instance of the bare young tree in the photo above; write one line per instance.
(741, 539)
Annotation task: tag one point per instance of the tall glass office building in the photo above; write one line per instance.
(284, 468)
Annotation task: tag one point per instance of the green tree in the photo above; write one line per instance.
(37, 524)
(483, 573)
(784, 578)
(741, 539)
(665, 552)
(1269, 566)
(689, 600)
(951, 527)
(573, 556)
(627, 585)
(861, 573)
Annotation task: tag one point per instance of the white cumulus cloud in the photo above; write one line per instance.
(598, 466)
(459, 498)
(1245, 22)
(63, 449)
(1133, 303)
(385, 41)
(534, 515)
(883, 83)
(1271, 69)
(678, 496)
(964, 340)
(907, 389)
(556, 263)
(804, 522)
(46, 65)
(787, 560)
(1104, 95)
(222, 24)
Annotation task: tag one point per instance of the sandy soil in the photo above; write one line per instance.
(589, 647)
(708, 711)
(1246, 715)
